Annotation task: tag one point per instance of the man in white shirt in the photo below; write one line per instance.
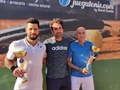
(33, 60)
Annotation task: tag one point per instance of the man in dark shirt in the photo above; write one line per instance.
(57, 47)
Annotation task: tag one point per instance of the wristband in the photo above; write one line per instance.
(93, 59)
(13, 68)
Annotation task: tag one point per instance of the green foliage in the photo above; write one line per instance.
(7, 80)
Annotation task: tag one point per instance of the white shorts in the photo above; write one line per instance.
(87, 83)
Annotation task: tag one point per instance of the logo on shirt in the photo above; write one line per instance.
(59, 48)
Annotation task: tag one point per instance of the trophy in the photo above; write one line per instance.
(21, 54)
(94, 49)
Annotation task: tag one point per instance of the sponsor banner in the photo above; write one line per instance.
(100, 9)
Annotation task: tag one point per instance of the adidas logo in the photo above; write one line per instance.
(59, 48)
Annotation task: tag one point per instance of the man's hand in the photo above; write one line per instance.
(85, 71)
(18, 72)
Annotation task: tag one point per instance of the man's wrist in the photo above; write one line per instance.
(12, 68)
(79, 69)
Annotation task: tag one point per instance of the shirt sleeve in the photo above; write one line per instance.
(70, 52)
(10, 55)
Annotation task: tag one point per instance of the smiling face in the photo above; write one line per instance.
(81, 34)
(32, 31)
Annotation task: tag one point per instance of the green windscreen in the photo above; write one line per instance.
(106, 76)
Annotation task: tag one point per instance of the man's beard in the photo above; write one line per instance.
(33, 38)
(58, 35)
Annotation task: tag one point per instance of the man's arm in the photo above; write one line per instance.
(8, 63)
(16, 71)
(75, 67)
(44, 60)
(72, 65)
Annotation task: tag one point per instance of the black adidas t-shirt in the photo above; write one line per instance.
(56, 57)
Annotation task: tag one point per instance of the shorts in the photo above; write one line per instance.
(86, 83)
(58, 83)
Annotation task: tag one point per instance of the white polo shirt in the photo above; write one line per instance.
(33, 64)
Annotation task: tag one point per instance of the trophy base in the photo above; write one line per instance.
(24, 79)
(86, 70)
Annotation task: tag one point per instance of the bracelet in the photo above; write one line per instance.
(13, 68)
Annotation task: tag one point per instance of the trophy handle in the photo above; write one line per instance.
(87, 66)
(89, 62)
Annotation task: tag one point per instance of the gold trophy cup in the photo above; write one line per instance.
(92, 57)
(21, 54)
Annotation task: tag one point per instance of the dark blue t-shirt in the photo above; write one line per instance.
(56, 57)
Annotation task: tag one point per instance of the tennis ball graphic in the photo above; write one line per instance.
(95, 37)
(64, 2)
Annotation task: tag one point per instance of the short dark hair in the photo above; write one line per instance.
(56, 20)
(33, 21)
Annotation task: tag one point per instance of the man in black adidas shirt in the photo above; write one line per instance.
(57, 47)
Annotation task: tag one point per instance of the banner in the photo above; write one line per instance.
(47, 9)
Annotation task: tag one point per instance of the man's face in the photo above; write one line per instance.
(57, 30)
(32, 31)
(81, 34)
